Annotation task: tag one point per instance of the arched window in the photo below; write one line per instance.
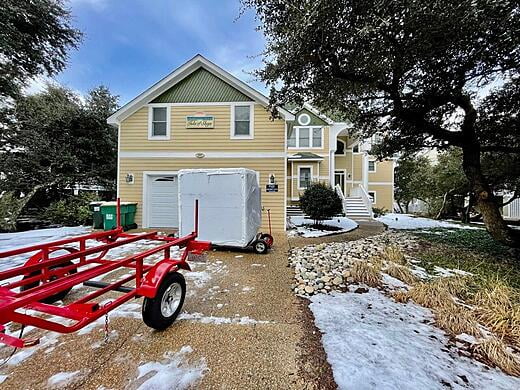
(340, 147)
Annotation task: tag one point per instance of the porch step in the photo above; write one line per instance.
(294, 211)
(356, 209)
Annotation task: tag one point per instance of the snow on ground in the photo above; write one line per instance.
(343, 223)
(10, 241)
(408, 221)
(174, 372)
(373, 342)
(62, 378)
(199, 317)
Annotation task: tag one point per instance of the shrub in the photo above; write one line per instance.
(9, 210)
(320, 202)
(430, 295)
(378, 212)
(71, 211)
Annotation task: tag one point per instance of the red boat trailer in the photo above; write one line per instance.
(43, 280)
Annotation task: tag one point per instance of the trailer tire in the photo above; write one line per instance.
(160, 312)
(260, 247)
(59, 296)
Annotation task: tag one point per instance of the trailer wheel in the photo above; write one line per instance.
(53, 298)
(268, 239)
(160, 312)
(260, 247)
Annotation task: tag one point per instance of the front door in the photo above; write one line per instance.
(339, 179)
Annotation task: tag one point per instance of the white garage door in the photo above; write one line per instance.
(163, 202)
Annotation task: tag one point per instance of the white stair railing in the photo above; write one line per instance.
(362, 193)
(339, 191)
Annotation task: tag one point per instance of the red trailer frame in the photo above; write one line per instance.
(43, 279)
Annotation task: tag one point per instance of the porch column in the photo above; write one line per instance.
(365, 171)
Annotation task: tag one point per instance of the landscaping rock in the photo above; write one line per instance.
(326, 267)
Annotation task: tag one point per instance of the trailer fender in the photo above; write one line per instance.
(155, 276)
(38, 256)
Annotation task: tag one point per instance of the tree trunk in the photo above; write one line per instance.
(400, 207)
(466, 212)
(485, 200)
(443, 206)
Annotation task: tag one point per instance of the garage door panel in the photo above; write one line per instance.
(163, 202)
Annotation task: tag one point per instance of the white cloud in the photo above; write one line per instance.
(96, 4)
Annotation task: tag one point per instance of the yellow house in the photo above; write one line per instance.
(201, 116)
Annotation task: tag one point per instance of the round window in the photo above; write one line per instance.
(304, 119)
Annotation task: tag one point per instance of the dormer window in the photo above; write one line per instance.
(304, 137)
(159, 123)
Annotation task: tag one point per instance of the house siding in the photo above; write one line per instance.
(274, 201)
(269, 137)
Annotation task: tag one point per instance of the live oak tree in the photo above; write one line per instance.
(54, 140)
(35, 36)
(411, 69)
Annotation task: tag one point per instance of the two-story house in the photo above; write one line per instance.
(200, 116)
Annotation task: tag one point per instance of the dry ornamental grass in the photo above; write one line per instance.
(401, 272)
(430, 295)
(394, 254)
(455, 319)
(363, 272)
(496, 352)
(497, 309)
(400, 296)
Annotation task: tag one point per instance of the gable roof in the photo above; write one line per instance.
(179, 74)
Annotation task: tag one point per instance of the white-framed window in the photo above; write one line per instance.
(159, 122)
(242, 120)
(304, 119)
(305, 137)
(355, 148)
(371, 165)
(341, 147)
(304, 177)
(372, 196)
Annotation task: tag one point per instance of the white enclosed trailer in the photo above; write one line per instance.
(230, 210)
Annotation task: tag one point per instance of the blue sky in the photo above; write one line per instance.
(130, 44)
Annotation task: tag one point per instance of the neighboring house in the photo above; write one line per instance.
(200, 116)
(511, 211)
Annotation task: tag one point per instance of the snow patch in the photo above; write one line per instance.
(373, 342)
(344, 225)
(173, 372)
(199, 317)
(62, 378)
(408, 221)
(10, 241)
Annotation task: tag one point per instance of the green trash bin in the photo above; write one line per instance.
(97, 217)
(109, 212)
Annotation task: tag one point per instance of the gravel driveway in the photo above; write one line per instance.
(241, 327)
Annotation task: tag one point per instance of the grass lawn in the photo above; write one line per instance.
(472, 251)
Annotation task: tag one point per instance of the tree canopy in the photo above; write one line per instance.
(54, 139)
(34, 40)
(410, 69)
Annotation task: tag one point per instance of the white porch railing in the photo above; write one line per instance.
(362, 193)
(513, 209)
(339, 191)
